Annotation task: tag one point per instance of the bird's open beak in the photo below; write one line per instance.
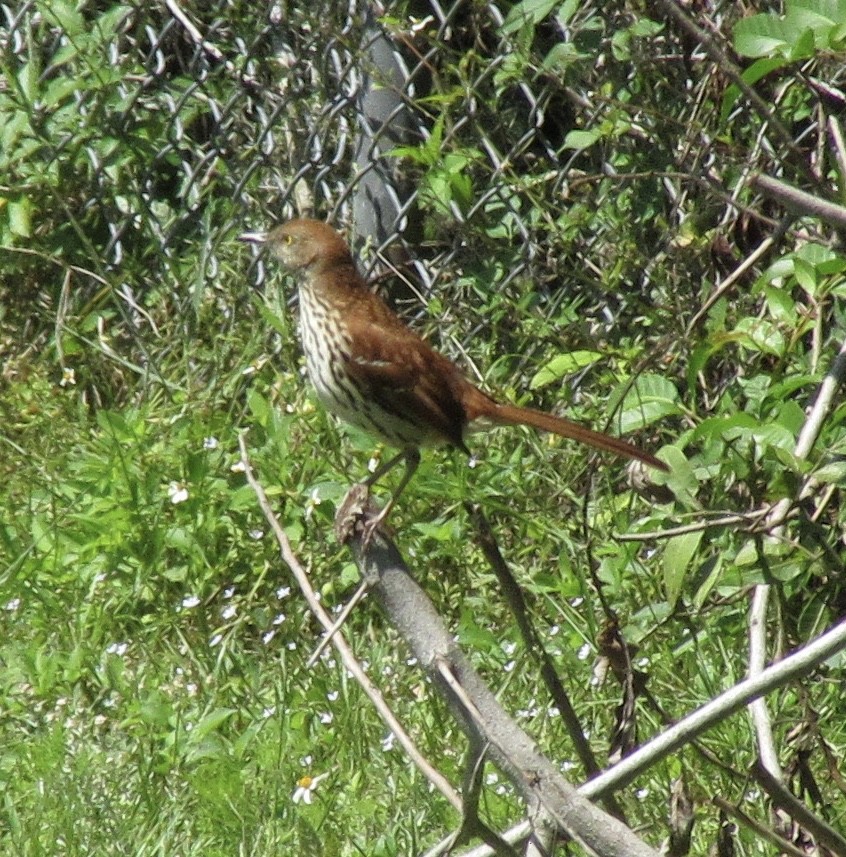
(253, 237)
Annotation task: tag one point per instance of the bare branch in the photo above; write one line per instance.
(801, 201)
(347, 656)
(479, 712)
(793, 667)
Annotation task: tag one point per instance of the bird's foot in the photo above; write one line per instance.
(359, 516)
(353, 508)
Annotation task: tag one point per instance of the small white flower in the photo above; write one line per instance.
(312, 503)
(388, 742)
(509, 666)
(117, 649)
(215, 640)
(13, 605)
(210, 443)
(278, 620)
(305, 788)
(326, 717)
(177, 492)
(256, 534)
(190, 601)
(332, 695)
(584, 652)
(268, 712)
(229, 611)
(229, 592)
(267, 636)
(238, 467)
(68, 377)
(283, 592)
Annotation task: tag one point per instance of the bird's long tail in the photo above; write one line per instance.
(490, 412)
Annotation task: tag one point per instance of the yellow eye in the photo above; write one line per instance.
(289, 239)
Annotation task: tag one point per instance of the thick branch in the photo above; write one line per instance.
(479, 713)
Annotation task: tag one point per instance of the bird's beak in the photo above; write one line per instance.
(253, 237)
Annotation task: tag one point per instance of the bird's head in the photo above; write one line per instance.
(302, 244)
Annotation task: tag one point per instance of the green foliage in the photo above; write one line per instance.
(805, 28)
(153, 652)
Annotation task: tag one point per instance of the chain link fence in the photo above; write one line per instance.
(570, 153)
(138, 138)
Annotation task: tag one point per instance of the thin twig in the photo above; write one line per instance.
(762, 830)
(727, 67)
(748, 519)
(801, 201)
(531, 639)
(339, 623)
(789, 803)
(774, 526)
(792, 667)
(339, 642)
(764, 247)
(836, 133)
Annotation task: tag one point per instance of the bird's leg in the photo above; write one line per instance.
(412, 460)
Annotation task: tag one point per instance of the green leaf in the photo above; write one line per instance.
(65, 16)
(758, 70)
(59, 90)
(28, 81)
(527, 12)
(821, 16)
(758, 334)
(651, 398)
(561, 55)
(709, 576)
(678, 553)
(762, 36)
(116, 425)
(581, 139)
(835, 472)
(781, 305)
(20, 216)
(211, 722)
(561, 365)
(109, 22)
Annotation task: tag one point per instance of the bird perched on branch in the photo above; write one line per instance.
(371, 370)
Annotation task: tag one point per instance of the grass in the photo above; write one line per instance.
(154, 698)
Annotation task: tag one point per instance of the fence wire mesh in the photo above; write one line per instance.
(572, 152)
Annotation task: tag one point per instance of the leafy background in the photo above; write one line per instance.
(581, 191)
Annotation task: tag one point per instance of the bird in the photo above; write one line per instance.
(370, 369)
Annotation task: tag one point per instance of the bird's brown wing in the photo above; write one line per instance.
(395, 366)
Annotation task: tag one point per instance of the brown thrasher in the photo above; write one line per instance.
(373, 371)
